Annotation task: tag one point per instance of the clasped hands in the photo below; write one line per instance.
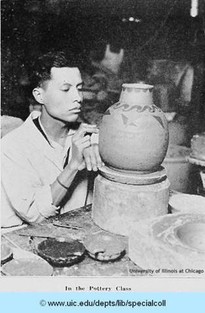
(84, 150)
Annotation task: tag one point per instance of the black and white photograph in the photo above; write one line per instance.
(103, 140)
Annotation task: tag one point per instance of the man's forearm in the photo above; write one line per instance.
(60, 187)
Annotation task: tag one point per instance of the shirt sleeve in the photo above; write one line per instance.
(27, 196)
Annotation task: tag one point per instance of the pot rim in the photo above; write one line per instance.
(138, 85)
(182, 159)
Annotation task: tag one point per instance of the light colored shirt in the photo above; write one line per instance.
(9, 123)
(30, 164)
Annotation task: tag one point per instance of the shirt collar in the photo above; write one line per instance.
(37, 114)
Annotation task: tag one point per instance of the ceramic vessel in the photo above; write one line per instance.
(134, 132)
(179, 170)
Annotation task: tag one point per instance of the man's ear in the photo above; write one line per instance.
(37, 93)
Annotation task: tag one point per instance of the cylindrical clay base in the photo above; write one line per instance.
(117, 206)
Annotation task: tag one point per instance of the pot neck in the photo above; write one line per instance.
(135, 95)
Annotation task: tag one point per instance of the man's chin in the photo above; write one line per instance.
(73, 118)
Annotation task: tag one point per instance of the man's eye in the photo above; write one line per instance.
(80, 87)
(65, 89)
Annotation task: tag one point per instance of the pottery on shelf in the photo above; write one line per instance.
(134, 132)
(179, 170)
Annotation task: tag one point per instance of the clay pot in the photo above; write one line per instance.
(134, 132)
(179, 170)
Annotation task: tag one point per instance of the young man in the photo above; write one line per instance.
(44, 161)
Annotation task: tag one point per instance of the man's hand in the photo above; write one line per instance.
(85, 153)
(92, 158)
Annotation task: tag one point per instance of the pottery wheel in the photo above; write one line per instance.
(133, 177)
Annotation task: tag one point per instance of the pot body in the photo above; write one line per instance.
(134, 132)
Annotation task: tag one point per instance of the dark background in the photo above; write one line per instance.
(30, 27)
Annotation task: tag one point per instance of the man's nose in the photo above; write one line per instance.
(77, 95)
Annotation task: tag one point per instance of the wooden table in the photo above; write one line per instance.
(89, 266)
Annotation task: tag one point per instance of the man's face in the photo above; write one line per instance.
(62, 96)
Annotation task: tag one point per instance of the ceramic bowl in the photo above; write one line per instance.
(187, 203)
(6, 254)
(25, 263)
(27, 267)
(60, 252)
(104, 247)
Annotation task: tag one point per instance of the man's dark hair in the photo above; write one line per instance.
(41, 68)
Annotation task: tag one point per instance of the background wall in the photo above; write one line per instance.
(30, 27)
